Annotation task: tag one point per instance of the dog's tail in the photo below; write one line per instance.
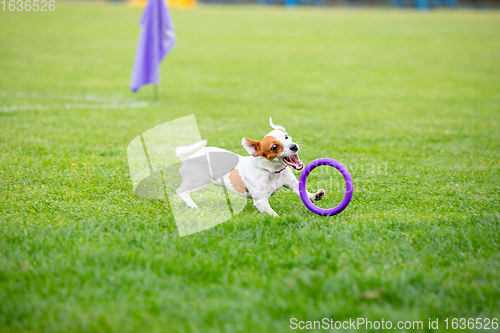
(185, 151)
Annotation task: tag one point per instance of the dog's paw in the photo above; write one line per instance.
(192, 206)
(319, 195)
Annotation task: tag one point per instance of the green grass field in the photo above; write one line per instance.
(410, 102)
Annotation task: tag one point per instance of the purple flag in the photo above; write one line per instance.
(156, 40)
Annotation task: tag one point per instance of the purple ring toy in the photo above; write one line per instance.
(349, 186)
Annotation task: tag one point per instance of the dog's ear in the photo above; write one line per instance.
(252, 147)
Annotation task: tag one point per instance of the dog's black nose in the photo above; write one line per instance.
(294, 147)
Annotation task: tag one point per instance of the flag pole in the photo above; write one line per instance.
(156, 93)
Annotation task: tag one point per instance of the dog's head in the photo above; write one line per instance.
(277, 146)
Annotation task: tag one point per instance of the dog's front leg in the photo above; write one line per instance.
(262, 204)
(293, 184)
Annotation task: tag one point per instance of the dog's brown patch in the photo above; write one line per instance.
(237, 182)
(266, 146)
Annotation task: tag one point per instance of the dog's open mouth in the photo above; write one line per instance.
(294, 161)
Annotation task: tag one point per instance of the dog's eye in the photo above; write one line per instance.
(286, 137)
(274, 147)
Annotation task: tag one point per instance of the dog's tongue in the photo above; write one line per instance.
(294, 161)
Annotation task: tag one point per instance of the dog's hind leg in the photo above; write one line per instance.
(195, 175)
(187, 197)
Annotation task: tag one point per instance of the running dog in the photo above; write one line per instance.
(257, 176)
